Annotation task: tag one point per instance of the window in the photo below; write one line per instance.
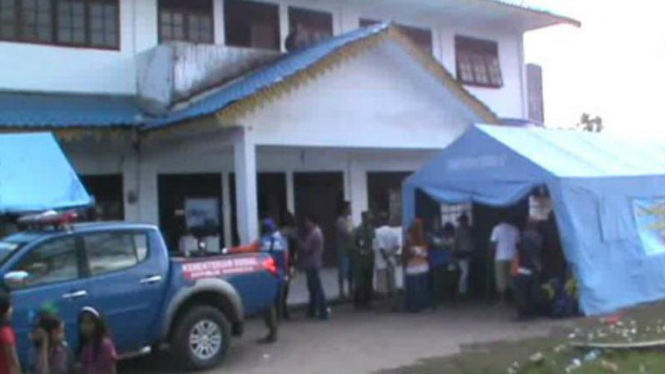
(478, 62)
(318, 24)
(115, 251)
(251, 24)
(86, 23)
(190, 21)
(53, 262)
(421, 37)
(451, 213)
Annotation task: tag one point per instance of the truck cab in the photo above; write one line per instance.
(124, 271)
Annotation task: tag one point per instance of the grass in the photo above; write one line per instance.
(556, 354)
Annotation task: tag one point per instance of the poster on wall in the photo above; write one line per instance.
(650, 220)
(202, 212)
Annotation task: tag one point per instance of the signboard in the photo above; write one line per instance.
(650, 221)
(220, 267)
(202, 212)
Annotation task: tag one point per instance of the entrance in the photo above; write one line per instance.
(271, 191)
(384, 190)
(108, 193)
(174, 192)
(320, 194)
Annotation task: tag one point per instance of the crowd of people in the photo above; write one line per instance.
(50, 353)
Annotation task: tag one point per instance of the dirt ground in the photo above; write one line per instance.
(365, 342)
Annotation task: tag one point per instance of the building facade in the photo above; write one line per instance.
(170, 109)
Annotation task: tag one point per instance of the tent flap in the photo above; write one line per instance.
(35, 175)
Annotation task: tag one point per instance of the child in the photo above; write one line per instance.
(97, 351)
(53, 354)
(8, 358)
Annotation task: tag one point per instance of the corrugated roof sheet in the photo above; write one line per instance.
(252, 83)
(35, 110)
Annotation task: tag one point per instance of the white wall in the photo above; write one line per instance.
(30, 67)
(382, 99)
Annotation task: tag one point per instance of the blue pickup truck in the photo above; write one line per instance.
(190, 306)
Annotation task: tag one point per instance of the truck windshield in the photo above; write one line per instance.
(7, 248)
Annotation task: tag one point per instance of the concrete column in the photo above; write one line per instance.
(148, 195)
(226, 210)
(283, 25)
(246, 190)
(358, 190)
(218, 19)
(290, 192)
(131, 174)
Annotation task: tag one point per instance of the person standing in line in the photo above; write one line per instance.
(363, 262)
(529, 268)
(504, 239)
(53, 353)
(312, 261)
(440, 256)
(96, 351)
(273, 243)
(463, 250)
(9, 363)
(416, 269)
(289, 232)
(387, 247)
(345, 237)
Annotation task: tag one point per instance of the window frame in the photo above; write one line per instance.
(471, 48)
(408, 31)
(86, 260)
(80, 261)
(255, 3)
(293, 12)
(54, 17)
(186, 29)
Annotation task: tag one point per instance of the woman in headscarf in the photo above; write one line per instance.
(416, 269)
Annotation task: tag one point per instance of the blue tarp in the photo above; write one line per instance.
(35, 175)
(608, 196)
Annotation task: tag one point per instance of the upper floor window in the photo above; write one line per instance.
(318, 25)
(81, 23)
(478, 62)
(421, 37)
(190, 21)
(251, 24)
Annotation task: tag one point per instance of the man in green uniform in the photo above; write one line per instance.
(363, 262)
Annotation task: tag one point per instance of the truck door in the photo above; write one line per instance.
(127, 280)
(55, 281)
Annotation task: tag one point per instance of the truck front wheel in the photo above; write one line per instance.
(201, 338)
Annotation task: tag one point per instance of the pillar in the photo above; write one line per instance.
(290, 192)
(226, 210)
(244, 152)
(358, 190)
(131, 174)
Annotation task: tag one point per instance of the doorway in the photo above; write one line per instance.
(320, 194)
(271, 199)
(108, 193)
(175, 190)
(384, 191)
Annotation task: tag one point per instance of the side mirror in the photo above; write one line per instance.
(16, 279)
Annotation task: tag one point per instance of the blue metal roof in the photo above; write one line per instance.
(35, 110)
(275, 73)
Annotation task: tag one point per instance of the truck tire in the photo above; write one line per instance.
(201, 338)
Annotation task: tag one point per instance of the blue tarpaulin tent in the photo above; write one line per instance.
(608, 195)
(35, 175)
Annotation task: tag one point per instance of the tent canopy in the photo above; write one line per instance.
(35, 175)
(608, 196)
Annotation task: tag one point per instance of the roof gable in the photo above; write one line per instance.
(236, 99)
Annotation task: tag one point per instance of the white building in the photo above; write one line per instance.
(222, 114)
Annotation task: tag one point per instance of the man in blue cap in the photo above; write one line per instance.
(273, 243)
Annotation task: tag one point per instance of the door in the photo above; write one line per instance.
(55, 280)
(174, 190)
(127, 284)
(320, 194)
